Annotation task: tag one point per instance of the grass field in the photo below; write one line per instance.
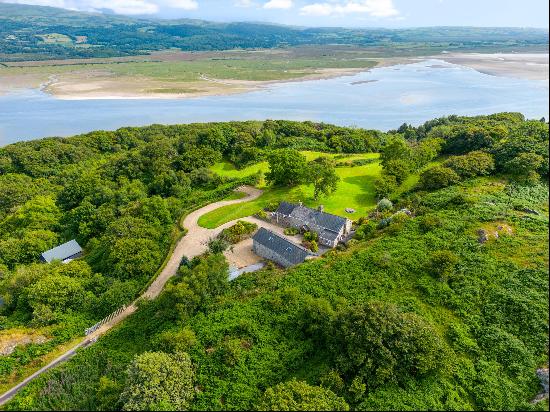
(355, 190)
(234, 68)
(179, 73)
(227, 169)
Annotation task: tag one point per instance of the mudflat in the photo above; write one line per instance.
(180, 75)
(532, 66)
(176, 75)
(73, 87)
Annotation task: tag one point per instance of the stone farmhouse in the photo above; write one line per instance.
(270, 246)
(330, 228)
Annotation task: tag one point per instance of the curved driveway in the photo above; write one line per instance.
(194, 243)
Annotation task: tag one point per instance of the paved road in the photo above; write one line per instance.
(194, 243)
(67, 355)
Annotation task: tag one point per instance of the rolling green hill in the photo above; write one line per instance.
(23, 30)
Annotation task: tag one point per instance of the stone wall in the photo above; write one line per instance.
(269, 254)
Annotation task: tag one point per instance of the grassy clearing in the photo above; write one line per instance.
(227, 169)
(9, 381)
(355, 190)
(235, 196)
(55, 38)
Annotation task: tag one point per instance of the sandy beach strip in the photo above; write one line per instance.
(531, 66)
(133, 88)
(96, 84)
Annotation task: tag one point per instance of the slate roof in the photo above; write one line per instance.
(329, 235)
(286, 208)
(62, 252)
(323, 219)
(287, 250)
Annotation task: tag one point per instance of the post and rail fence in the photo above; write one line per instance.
(105, 320)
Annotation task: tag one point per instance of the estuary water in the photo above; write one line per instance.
(382, 98)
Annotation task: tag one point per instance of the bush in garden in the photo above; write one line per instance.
(384, 204)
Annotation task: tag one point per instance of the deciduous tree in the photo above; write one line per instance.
(287, 167)
(322, 173)
(159, 381)
(300, 396)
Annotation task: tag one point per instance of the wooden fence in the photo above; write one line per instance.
(105, 320)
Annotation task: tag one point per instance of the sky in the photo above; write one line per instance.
(345, 13)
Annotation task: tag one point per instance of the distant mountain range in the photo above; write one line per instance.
(39, 33)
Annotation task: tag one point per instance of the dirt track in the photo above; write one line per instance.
(191, 245)
(194, 243)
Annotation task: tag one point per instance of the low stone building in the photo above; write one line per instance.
(273, 247)
(330, 228)
(65, 252)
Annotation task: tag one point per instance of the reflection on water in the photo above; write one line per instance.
(382, 98)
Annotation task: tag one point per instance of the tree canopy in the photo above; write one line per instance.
(299, 396)
(159, 381)
(287, 167)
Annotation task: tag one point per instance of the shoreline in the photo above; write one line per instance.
(529, 66)
(227, 87)
(84, 86)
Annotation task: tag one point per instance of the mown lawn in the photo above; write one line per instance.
(227, 169)
(355, 190)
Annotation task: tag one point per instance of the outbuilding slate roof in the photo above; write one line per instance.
(287, 250)
(62, 252)
(329, 235)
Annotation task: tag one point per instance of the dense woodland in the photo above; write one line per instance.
(417, 312)
(41, 33)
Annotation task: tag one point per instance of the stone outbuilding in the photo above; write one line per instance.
(271, 246)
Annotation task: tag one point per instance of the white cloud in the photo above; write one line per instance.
(51, 3)
(374, 8)
(278, 4)
(130, 7)
(244, 3)
(123, 6)
(182, 4)
(318, 9)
